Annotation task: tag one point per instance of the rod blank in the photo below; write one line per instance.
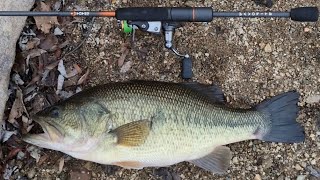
(197, 14)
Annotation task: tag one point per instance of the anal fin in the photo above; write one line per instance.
(218, 161)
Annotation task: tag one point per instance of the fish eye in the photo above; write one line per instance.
(54, 113)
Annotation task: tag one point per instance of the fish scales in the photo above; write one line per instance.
(187, 114)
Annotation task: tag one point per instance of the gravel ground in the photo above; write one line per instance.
(251, 59)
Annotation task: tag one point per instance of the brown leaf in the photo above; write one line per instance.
(58, 52)
(32, 43)
(60, 82)
(17, 108)
(50, 43)
(61, 164)
(45, 23)
(34, 80)
(83, 78)
(72, 73)
(43, 159)
(26, 123)
(123, 57)
(64, 44)
(52, 65)
(34, 53)
(13, 153)
(77, 67)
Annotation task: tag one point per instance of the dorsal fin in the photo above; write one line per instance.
(213, 92)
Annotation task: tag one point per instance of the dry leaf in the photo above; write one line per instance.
(34, 80)
(32, 44)
(52, 65)
(45, 23)
(17, 79)
(60, 83)
(61, 164)
(50, 43)
(126, 67)
(30, 97)
(62, 69)
(34, 152)
(79, 89)
(65, 94)
(123, 57)
(5, 135)
(77, 67)
(43, 159)
(58, 31)
(34, 53)
(8, 171)
(17, 108)
(83, 78)
(72, 73)
(26, 123)
(29, 128)
(64, 44)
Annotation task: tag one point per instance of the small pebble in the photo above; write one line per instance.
(306, 29)
(235, 160)
(31, 173)
(298, 167)
(57, 31)
(257, 177)
(268, 48)
(301, 177)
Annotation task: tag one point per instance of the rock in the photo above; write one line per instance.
(57, 31)
(10, 30)
(257, 177)
(306, 29)
(268, 48)
(313, 99)
(298, 167)
(301, 177)
(235, 160)
(31, 173)
(314, 172)
(267, 163)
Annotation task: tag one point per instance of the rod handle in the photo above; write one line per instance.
(305, 14)
(177, 14)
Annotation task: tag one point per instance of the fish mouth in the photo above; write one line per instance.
(50, 133)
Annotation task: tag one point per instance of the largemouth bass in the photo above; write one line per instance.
(141, 124)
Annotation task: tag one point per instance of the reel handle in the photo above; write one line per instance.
(186, 71)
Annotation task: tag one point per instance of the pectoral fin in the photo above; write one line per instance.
(132, 134)
(218, 161)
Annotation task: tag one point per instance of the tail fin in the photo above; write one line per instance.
(283, 111)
